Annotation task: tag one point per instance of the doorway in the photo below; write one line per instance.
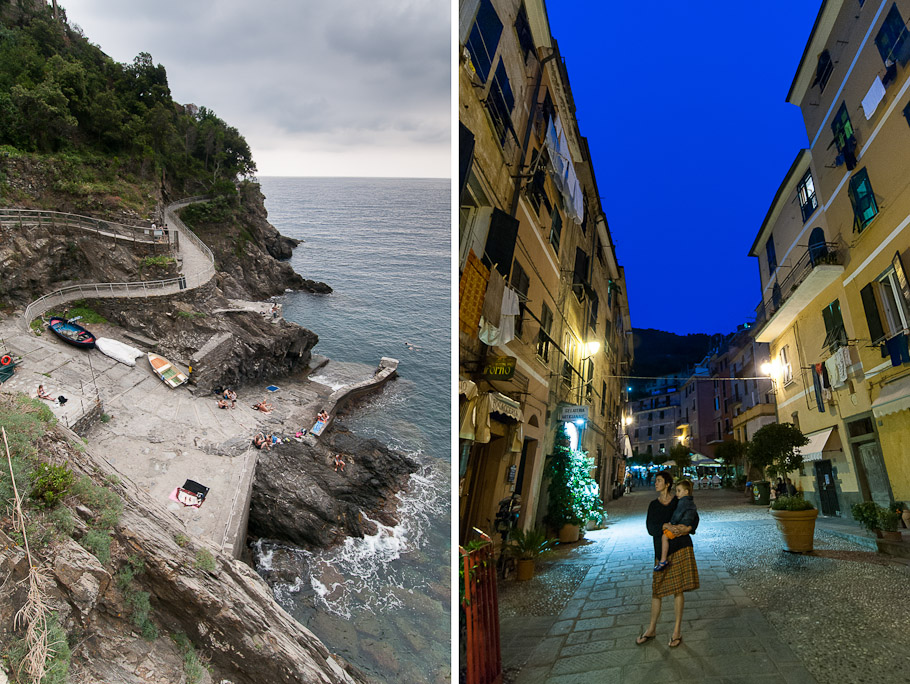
(827, 493)
(870, 466)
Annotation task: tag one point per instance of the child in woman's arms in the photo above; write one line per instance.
(686, 514)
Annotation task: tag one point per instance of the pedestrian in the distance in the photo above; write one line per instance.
(682, 575)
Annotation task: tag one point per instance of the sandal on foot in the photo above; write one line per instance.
(662, 565)
(675, 642)
(644, 638)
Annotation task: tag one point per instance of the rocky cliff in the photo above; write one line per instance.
(208, 604)
(299, 498)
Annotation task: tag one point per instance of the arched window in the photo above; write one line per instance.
(818, 249)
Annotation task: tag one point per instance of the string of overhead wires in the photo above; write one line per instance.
(673, 377)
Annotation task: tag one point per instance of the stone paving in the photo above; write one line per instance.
(733, 627)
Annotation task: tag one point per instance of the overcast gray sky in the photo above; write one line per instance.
(317, 87)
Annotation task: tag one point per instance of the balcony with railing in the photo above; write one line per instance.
(821, 265)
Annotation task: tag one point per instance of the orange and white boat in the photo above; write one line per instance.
(167, 371)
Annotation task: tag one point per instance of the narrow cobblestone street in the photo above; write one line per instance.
(760, 615)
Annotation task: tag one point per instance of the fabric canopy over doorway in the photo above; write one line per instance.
(894, 397)
(819, 443)
(474, 417)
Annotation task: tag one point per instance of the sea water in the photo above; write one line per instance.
(383, 245)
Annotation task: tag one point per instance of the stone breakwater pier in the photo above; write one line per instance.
(159, 437)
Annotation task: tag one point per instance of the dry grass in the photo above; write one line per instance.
(34, 613)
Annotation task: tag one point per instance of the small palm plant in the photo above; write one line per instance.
(530, 545)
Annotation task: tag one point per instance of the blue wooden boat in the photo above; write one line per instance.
(71, 333)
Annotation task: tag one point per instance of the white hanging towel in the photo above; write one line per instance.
(873, 97)
(834, 375)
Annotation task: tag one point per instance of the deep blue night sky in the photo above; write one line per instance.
(691, 136)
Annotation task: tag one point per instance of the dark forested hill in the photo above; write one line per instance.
(96, 127)
(659, 353)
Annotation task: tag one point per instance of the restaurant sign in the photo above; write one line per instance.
(499, 368)
(569, 414)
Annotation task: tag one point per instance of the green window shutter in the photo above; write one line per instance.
(873, 319)
(863, 200)
(828, 318)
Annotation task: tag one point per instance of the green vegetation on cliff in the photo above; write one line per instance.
(114, 126)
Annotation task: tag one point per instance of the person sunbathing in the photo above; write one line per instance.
(263, 406)
(224, 403)
(323, 416)
(44, 395)
(260, 442)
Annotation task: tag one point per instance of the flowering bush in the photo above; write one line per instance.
(573, 494)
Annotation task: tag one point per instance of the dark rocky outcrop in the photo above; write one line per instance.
(250, 253)
(228, 349)
(298, 498)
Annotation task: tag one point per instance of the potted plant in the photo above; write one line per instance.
(903, 512)
(774, 450)
(888, 519)
(867, 514)
(573, 493)
(795, 518)
(527, 547)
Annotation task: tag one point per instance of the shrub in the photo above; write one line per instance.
(99, 543)
(866, 514)
(57, 665)
(205, 560)
(139, 602)
(791, 503)
(62, 520)
(160, 261)
(192, 665)
(105, 418)
(888, 519)
(50, 483)
(181, 539)
(104, 502)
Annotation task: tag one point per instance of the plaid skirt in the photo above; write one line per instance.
(681, 575)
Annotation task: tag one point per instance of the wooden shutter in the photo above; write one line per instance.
(873, 318)
(500, 245)
(465, 155)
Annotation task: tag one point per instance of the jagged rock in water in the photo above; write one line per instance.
(300, 499)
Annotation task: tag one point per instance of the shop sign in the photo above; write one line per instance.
(569, 414)
(499, 368)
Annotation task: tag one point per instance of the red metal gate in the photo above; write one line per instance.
(483, 659)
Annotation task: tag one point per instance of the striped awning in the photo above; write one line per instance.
(501, 404)
(894, 397)
(818, 445)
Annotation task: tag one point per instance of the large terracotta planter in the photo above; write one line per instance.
(905, 516)
(525, 570)
(797, 528)
(569, 534)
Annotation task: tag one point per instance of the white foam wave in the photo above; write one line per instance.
(334, 383)
(369, 573)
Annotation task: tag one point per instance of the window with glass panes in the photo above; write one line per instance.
(771, 254)
(806, 192)
(500, 102)
(842, 127)
(543, 335)
(863, 200)
(823, 70)
(556, 229)
(786, 368)
(484, 39)
(892, 40)
(835, 334)
(520, 283)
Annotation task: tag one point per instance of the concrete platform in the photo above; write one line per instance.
(156, 436)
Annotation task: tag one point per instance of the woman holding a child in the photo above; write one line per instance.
(675, 571)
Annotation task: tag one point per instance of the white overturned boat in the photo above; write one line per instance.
(117, 350)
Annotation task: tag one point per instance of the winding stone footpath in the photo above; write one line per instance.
(761, 615)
